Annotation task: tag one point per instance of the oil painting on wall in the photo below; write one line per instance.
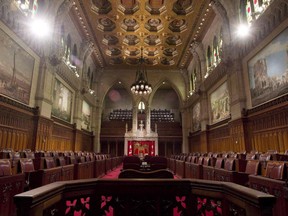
(62, 101)
(86, 115)
(220, 105)
(268, 70)
(196, 117)
(16, 69)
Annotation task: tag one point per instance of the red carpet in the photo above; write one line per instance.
(114, 173)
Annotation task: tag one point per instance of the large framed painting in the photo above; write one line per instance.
(196, 117)
(220, 103)
(16, 69)
(268, 70)
(86, 116)
(62, 101)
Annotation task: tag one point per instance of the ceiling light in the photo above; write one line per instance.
(141, 85)
(243, 30)
(40, 27)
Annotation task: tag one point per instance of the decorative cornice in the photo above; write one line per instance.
(277, 102)
(17, 104)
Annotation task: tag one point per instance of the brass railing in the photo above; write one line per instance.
(143, 197)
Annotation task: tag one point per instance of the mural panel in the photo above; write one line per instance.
(62, 101)
(196, 117)
(220, 105)
(268, 70)
(16, 69)
(86, 115)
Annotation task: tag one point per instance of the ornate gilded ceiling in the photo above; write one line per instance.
(164, 29)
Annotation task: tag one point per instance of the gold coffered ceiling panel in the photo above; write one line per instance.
(163, 28)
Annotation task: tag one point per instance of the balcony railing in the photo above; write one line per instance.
(143, 197)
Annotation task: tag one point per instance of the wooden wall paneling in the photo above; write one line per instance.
(62, 137)
(44, 133)
(87, 140)
(204, 141)
(269, 125)
(219, 139)
(16, 125)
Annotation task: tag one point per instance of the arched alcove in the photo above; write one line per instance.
(165, 102)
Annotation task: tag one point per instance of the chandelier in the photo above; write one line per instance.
(141, 85)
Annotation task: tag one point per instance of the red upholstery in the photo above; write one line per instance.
(219, 163)
(275, 170)
(229, 164)
(49, 163)
(5, 167)
(253, 167)
(26, 165)
(207, 161)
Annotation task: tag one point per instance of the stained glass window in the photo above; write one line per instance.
(215, 51)
(209, 57)
(250, 10)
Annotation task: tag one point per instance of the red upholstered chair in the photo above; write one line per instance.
(26, 165)
(275, 170)
(208, 169)
(250, 156)
(10, 186)
(60, 161)
(273, 183)
(219, 163)
(49, 163)
(253, 167)
(5, 167)
(229, 164)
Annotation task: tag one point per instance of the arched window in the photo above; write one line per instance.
(209, 57)
(74, 55)
(193, 80)
(62, 35)
(141, 106)
(220, 45)
(215, 51)
(67, 54)
(89, 78)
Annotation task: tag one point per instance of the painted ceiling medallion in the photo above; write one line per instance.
(110, 40)
(106, 24)
(113, 51)
(130, 24)
(154, 25)
(131, 40)
(167, 61)
(152, 40)
(170, 52)
(101, 7)
(178, 25)
(182, 7)
(174, 40)
(128, 7)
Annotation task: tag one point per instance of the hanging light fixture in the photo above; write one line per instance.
(141, 85)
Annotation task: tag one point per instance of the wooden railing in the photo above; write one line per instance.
(143, 197)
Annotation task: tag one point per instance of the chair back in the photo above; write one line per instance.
(49, 163)
(26, 165)
(5, 167)
(275, 170)
(219, 163)
(252, 167)
(229, 164)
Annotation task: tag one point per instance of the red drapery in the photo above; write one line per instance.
(143, 147)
